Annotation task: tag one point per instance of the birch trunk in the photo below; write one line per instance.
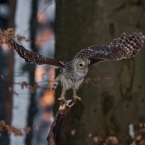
(21, 98)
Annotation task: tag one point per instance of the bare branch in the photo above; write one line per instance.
(64, 108)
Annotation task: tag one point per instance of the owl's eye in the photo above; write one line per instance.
(81, 64)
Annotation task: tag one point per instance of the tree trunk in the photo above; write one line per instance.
(6, 70)
(32, 107)
(10, 63)
(21, 97)
(114, 96)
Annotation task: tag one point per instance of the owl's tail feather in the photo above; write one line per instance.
(56, 82)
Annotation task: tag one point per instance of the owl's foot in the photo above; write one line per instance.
(62, 99)
(76, 97)
(53, 88)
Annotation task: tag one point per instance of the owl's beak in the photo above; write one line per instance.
(85, 68)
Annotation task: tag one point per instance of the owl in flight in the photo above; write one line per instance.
(74, 71)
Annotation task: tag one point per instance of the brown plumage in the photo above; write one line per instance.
(74, 71)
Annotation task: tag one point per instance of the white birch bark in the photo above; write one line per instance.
(22, 100)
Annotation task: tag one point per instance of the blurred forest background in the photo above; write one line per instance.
(112, 109)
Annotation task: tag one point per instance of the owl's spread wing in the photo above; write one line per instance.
(32, 57)
(120, 48)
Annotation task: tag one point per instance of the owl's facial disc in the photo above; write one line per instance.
(81, 66)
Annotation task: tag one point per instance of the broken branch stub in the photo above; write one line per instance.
(64, 108)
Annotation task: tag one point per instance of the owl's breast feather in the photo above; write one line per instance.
(68, 83)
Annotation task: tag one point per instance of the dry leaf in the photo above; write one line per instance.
(98, 78)
(112, 140)
(12, 129)
(2, 123)
(20, 38)
(141, 124)
(95, 139)
(9, 129)
(27, 129)
(1, 40)
(1, 129)
(17, 132)
(73, 132)
(90, 135)
(139, 137)
(1, 32)
(108, 78)
(10, 89)
(33, 88)
(24, 84)
(10, 32)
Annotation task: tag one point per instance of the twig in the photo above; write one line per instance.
(64, 108)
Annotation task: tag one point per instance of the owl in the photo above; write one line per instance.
(73, 72)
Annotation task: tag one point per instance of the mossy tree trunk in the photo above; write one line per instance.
(114, 96)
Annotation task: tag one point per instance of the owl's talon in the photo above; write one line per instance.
(76, 97)
(62, 99)
(52, 88)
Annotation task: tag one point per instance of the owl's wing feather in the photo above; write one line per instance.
(120, 48)
(32, 57)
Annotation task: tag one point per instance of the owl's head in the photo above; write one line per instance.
(81, 66)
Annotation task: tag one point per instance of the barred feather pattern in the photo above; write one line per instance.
(29, 57)
(74, 71)
(32, 57)
(120, 48)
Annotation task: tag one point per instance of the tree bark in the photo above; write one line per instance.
(114, 95)
(64, 108)
(10, 63)
(21, 98)
(31, 70)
